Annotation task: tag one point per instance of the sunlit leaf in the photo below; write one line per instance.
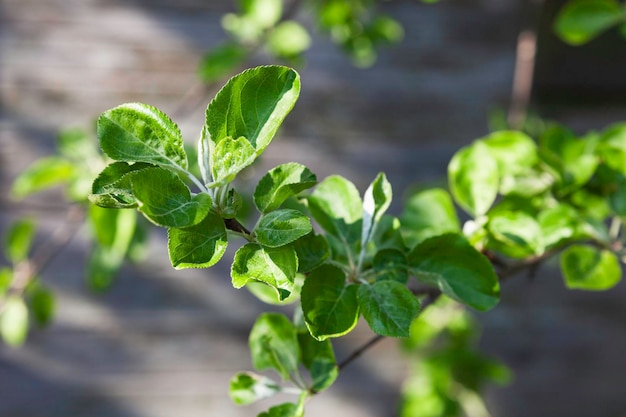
(43, 174)
(199, 246)
(579, 21)
(428, 213)
(280, 183)
(280, 227)
(589, 268)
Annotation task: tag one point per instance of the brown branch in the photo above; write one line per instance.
(235, 226)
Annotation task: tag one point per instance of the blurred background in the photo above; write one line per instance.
(165, 343)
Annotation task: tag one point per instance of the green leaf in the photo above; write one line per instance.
(280, 183)
(330, 306)
(389, 307)
(281, 227)
(102, 266)
(199, 246)
(376, 201)
(426, 214)
(319, 358)
(41, 175)
(312, 251)
(221, 61)
(275, 266)
(248, 387)
(459, 270)
(286, 409)
(112, 188)
(514, 151)
(558, 224)
(262, 13)
(166, 201)
(14, 321)
(19, 239)
(229, 158)
(336, 205)
(136, 132)
(288, 39)
(42, 305)
(274, 344)
(579, 21)
(515, 234)
(473, 178)
(390, 264)
(253, 104)
(6, 279)
(76, 145)
(589, 268)
(268, 295)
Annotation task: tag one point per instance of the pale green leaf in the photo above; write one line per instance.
(288, 39)
(199, 246)
(248, 387)
(274, 344)
(460, 271)
(274, 266)
(14, 321)
(513, 151)
(473, 178)
(280, 227)
(329, 305)
(426, 214)
(389, 307)
(230, 156)
(137, 132)
(558, 224)
(280, 183)
(262, 13)
(589, 268)
(376, 201)
(166, 201)
(253, 104)
(19, 239)
(43, 174)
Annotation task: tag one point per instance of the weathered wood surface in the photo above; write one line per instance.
(164, 343)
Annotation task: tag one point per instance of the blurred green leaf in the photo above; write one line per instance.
(18, 240)
(221, 61)
(42, 305)
(274, 344)
(426, 214)
(580, 21)
(515, 234)
(289, 39)
(41, 175)
(589, 268)
(247, 387)
(14, 321)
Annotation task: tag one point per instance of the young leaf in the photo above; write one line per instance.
(280, 183)
(275, 266)
(459, 270)
(579, 21)
(312, 251)
(199, 246)
(513, 151)
(589, 268)
(329, 305)
(165, 199)
(389, 307)
(19, 239)
(376, 201)
(281, 227)
(390, 264)
(43, 174)
(286, 409)
(247, 387)
(337, 207)
(230, 156)
(473, 178)
(274, 344)
(136, 132)
(515, 234)
(14, 321)
(426, 214)
(42, 305)
(112, 188)
(221, 61)
(252, 104)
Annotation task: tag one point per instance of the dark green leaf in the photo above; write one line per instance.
(515, 234)
(14, 321)
(136, 132)
(280, 183)
(281, 227)
(390, 264)
(376, 201)
(274, 344)
(230, 156)
(252, 104)
(459, 270)
(19, 239)
(428, 213)
(165, 199)
(247, 387)
(473, 178)
(389, 307)
(43, 174)
(42, 305)
(221, 61)
(579, 21)
(199, 246)
(312, 251)
(336, 205)
(329, 305)
(275, 266)
(589, 268)
(112, 188)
